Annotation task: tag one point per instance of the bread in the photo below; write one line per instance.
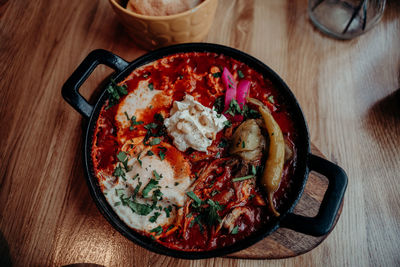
(161, 7)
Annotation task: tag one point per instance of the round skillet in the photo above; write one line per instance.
(316, 226)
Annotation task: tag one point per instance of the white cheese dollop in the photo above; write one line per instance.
(193, 125)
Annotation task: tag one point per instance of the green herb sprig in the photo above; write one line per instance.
(115, 92)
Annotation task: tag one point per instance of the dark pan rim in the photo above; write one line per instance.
(301, 172)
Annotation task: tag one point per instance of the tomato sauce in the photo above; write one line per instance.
(190, 73)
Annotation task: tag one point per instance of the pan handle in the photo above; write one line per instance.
(324, 221)
(70, 90)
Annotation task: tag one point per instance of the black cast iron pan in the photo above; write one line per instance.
(316, 226)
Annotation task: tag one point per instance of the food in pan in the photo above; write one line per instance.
(195, 150)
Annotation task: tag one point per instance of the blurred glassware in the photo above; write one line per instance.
(345, 19)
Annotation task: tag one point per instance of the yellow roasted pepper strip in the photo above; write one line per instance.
(272, 175)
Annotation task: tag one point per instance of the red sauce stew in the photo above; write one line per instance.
(210, 223)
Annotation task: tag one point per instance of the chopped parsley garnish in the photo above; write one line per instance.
(122, 156)
(132, 121)
(155, 129)
(150, 126)
(159, 117)
(151, 185)
(234, 108)
(117, 203)
(119, 172)
(251, 196)
(151, 86)
(168, 210)
(211, 212)
(115, 92)
(158, 230)
(227, 124)
(150, 153)
(219, 104)
(137, 188)
(214, 192)
(155, 141)
(240, 73)
(253, 170)
(154, 217)
(170, 227)
(156, 175)
(271, 99)
(197, 220)
(157, 195)
(242, 178)
(243, 144)
(139, 208)
(235, 230)
(138, 159)
(249, 113)
(223, 143)
(193, 196)
(189, 215)
(161, 154)
(119, 192)
(217, 74)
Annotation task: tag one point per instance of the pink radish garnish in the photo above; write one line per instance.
(230, 86)
(242, 92)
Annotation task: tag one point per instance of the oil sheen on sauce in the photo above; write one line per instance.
(194, 74)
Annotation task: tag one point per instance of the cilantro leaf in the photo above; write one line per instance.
(223, 143)
(151, 125)
(122, 156)
(217, 74)
(159, 117)
(151, 184)
(139, 208)
(156, 175)
(115, 92)
(154, 217)
(155, 141)
(242, 178)
(271, 99)
(158, 230)
(253, 170)
(235, 230)
(219, 104)
(234, 108)
(193, 196)
(161, 154)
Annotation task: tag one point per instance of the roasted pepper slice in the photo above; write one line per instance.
(272, 175)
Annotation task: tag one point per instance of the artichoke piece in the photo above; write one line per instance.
(247, 141)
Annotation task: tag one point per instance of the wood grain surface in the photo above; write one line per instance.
(349, 92)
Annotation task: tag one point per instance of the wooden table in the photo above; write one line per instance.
(349, 91)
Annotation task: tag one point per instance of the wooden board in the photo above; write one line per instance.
(285, 243)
